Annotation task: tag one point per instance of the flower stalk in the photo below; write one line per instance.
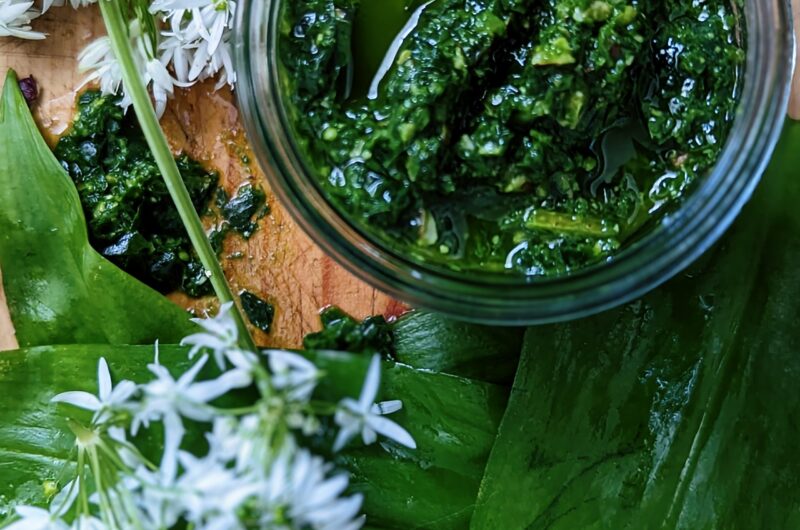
(117, 28)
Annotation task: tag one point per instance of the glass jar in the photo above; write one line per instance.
(680, 238)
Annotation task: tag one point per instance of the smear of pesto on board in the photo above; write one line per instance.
(510, 135)
(259, 312)
(243, 210)
(131, 217)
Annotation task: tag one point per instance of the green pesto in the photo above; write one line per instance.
(342, 332)
(242, 211)
(131, 218)
(534, 137)
(259, 312)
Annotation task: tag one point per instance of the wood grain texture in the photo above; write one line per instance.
(279, 263)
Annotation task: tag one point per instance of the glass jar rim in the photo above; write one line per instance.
(680, 238)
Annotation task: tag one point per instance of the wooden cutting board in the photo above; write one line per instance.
(279, 263)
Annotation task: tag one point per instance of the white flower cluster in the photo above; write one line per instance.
(98, 60)
(253, 475)
(15, 20)
(198, 41)
(191, 42)
(16, 16)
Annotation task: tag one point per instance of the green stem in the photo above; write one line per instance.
(83, 487)
(117, 28)
(106, 512)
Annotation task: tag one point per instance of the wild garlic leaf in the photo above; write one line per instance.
(425, 340)
(453, 420)
(677, 411)
(59, 290)
(435, 342)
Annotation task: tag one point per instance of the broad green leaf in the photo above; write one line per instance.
(425, 340)
(435, 485)
(59, 290)
(453, 421)
(435, 342)
(677, 411)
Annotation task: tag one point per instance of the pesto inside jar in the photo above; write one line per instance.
(520, 136)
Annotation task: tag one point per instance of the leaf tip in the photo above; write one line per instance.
(11, 91)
